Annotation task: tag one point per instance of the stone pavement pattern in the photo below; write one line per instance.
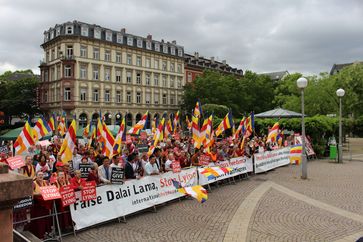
(274, 215)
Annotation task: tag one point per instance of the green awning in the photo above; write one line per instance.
(14, 133)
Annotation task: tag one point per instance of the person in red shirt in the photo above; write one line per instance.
(93, 174)
(77, 182)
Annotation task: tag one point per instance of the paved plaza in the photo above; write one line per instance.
(276, 206)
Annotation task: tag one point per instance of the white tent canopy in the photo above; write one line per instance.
(278, 113)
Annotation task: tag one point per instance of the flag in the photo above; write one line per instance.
(272, 134)
(176, 121)
(295, 154)
(208, 140)
(214, 172)
(198, 192)
(153, 125)
(156, 137)
(248, 127)
(121, 136)
(140, 125)
(99, 131)
(253, 121)
(226, 123)
(69, 143)
(24, 140)
(198, 110)
(189, 124)
(51, 122)
(196, 133)
(239, 129)
(168, 128)
(62, 126)
(40, 129)
(108, 140)
(86, 131)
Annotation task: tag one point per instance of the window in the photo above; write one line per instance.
(147, 79)
(51, 34)
(156, 98)
(138, 97)
(129, 77)
(130, 41)
(84, 30)
(96, 70)
(57, 32)
(128, 97)
(129, 59)
(156, 64)
(156, 80)
(52, 74)
(172, 82)
(172, 100)
(179, 83)
(138, 78)
(172, 67)
(45, 37)
(107, 74)
(180, 52)
(69, 29)
(147, 98)
(157, 47)
(165, 49)
(118, 96)
(83, 72)
(164, 66)
(189, 77)
(179, 68)
(118, 57)
(119, 39)
(107, 55)
(172, 50)
(47, 56)
(45, 76)
(52, 56)
(59, 52)
(164, 81)
(138, 60)
(58, 72)
(67, 94)
(83, 95)
(67, 71)
(83, 51)
(108, 35)
(147, 62)
(69, 51)
(45, 96)
(118, 75)
(139, 43)
(97, 33)
(107, 96)
(165, 99)
(96, 53)
(95, 95)
(148, 45)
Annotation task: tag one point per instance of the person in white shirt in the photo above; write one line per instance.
(144, 159)
(76, 159)
(169, 162)
(116, 161)
(151, 168)
(104, 171)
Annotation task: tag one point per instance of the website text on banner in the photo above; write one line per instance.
(271, 159)
(115, 201)
(239, 165)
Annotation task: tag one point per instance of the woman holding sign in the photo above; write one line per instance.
(65, 220)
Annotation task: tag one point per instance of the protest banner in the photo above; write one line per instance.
(49, 192)
(176, 166)
(142, 148)
(308, 147)
(24, 203)
(113, 201)
(4, 150)
(89, 191)
(204, 160)
(271, 159)
(85, 169)
(143, 135)
(68, 196)
(117, 175)
(16, 162)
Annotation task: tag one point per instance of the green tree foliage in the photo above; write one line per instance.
(218, 110)
(18, 93)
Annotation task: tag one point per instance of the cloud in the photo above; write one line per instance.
(305, 36)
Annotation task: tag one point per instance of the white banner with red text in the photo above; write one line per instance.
(113, 201)
(271, 159)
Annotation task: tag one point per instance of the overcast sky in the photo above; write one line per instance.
(262, 35)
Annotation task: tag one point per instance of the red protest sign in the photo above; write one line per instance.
(89, 191)
(143, 135)
(15, 162)
(128, 139)
(176, 166)
(68, 195)
(204, 160)
(49, 192)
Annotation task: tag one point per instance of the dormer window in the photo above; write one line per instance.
(109, 35)
(69, 29)
(97, 34)
(157, 47)
(119, 38)
(84, 30)
(130, 41)
(180, 52)
(45, 36)
(139, 43)
(165, 49)
(57, 32)
(51, 34)
(172, 50)
(148, 45)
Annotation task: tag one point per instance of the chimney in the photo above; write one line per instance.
(149, 37)
(162, 41)
(123, 31)
(196, 55)
(224, 62)
(212, 59)
(174, 42)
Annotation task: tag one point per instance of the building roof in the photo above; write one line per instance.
(278, 113)
(276, 76)
(20, 76)
(338, 67)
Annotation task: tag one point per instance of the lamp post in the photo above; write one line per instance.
(340, 93)
(302, 82)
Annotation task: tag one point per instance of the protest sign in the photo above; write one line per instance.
(176, 166)
(143, 135)
(142, 148)
(16, 162)
(49, 192)
(117, 175)
(24, 203)
(85, 169)
(68, 195)
(89, 191)
(204, 160)
(4, 150)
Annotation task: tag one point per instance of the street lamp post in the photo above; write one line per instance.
(340, 93)
(302, 82)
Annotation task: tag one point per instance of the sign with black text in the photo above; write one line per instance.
(85, 169)
(24, 203)
(117, 175)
